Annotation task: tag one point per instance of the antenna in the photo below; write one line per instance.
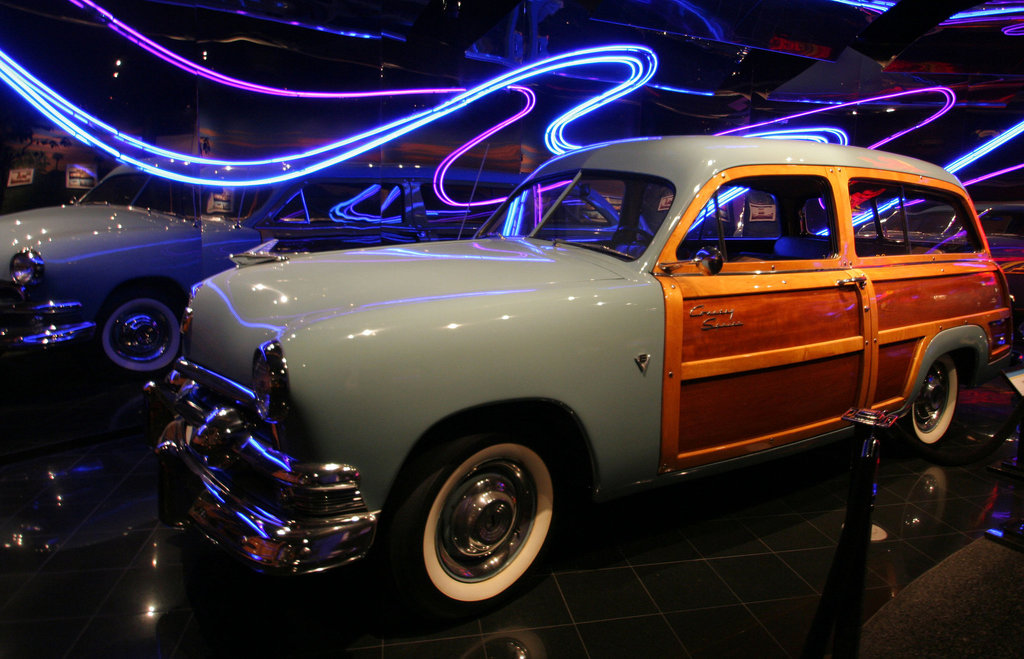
(472, 194)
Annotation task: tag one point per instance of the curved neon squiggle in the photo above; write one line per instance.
(945, 91)
(189, 66)
(442, 169)
(641, 61)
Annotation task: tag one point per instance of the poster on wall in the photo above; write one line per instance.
(17, 177)
(80, 177)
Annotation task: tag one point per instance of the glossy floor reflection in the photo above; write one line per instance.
(728, 566)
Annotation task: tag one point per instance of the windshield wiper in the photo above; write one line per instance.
(596, 247)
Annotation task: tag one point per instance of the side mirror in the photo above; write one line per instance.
(709, 260)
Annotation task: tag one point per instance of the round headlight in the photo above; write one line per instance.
(27, 268)
(270, 381)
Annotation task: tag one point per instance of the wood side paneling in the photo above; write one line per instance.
(894, 364)
(721, 410)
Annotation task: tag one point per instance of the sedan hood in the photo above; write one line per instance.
(238, 309)
(57, 230)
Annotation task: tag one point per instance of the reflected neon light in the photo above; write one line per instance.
(817, 134)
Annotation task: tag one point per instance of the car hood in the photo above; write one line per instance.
(236, 310)
(56, 229)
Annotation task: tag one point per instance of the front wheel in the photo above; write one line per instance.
(473, 523)
(139, 331)
(929, 429)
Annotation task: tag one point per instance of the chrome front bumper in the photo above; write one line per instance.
(28, 324)
(219, 474)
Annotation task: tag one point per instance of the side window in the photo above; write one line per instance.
(893, 219)
(879, 223)
(938, 223)
(770, 218)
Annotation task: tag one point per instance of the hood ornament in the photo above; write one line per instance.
(258, 254)
(642, 361)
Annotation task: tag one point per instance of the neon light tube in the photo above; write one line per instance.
(985, 148)
(641, 62)
(948, 93)
(442, 169)
(185, 64)
(985, 177)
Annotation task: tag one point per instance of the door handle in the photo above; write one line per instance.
(860, 281)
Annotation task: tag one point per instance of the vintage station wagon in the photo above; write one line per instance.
(635, 313)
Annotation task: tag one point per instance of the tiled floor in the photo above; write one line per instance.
(727, 566)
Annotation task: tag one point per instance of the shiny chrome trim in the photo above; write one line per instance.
(275, 513)
(217, 382)
(49, 307)
(259, 254)
(259, 538)
(12, 338)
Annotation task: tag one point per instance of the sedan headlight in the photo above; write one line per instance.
(27, 268)
(270, 381)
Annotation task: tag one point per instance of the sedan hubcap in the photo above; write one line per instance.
(140, 335)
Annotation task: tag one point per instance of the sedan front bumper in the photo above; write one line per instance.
(220, 476)
(27, 324)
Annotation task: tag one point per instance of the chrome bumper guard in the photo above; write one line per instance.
(27, 324)
(221, 475)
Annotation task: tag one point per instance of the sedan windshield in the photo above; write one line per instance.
(616, 213)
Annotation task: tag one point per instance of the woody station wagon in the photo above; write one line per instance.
(635, 313)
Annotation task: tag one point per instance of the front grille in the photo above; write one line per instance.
(334, 502)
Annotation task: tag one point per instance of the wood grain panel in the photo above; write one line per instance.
(721, 410)
(716, 327)
(894, 363)
(933, 299)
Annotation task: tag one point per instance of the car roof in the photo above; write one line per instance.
(690, 161)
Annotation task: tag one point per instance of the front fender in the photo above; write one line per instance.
(368, 386)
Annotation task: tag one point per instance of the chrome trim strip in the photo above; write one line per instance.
(46, 308)
(11, 338)
(217, 382)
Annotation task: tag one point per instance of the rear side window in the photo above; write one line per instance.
(895, 219)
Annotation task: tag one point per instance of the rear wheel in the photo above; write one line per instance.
(929, 428)
(472, 525)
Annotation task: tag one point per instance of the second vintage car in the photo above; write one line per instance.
(635, 314)
(116, 266)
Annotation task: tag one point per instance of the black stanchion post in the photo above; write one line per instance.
(839, 610)
(1011, 533)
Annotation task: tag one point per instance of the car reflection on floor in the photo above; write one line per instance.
(706, 567)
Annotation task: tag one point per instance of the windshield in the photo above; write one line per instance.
(119, 190)
(617, 213)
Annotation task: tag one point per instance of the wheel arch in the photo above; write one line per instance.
(560, 435)
(966, 345)
(165, 285)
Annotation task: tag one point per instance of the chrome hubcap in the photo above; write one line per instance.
(140, 335)
(929, 406)
(485, 520)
